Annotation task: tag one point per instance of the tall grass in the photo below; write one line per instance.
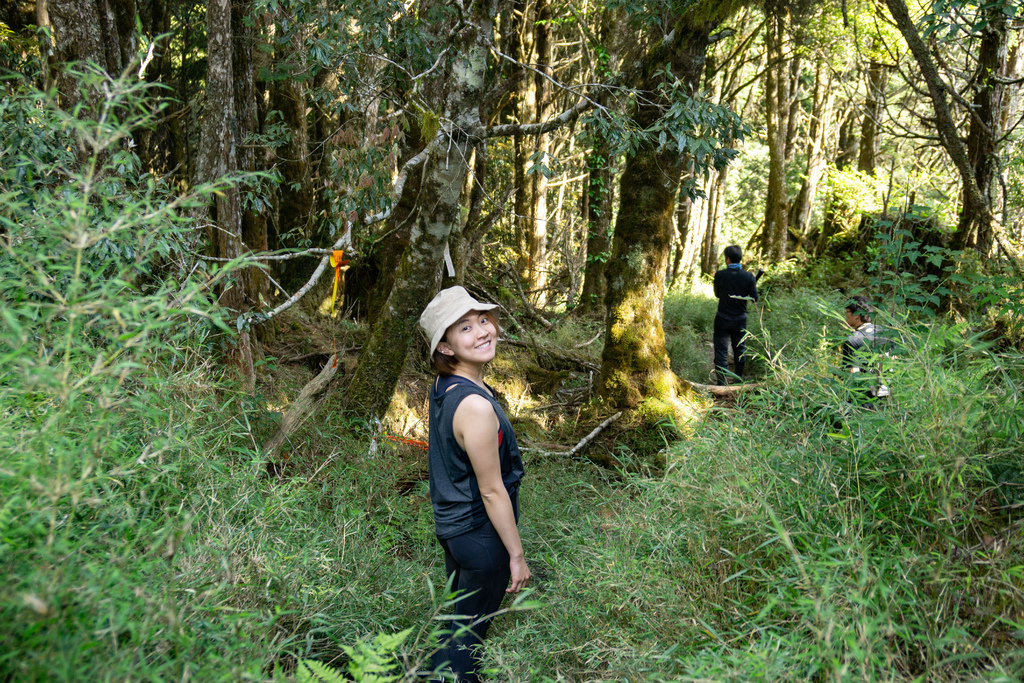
(801, 533)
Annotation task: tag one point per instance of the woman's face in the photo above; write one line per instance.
(471, 339)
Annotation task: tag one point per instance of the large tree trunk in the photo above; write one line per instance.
(218, 157)
(634, 362)
(95, 31)
(383, 354)
(817, 135)
(975, 227)
(774, 236)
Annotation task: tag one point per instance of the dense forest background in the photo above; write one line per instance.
(220, 221)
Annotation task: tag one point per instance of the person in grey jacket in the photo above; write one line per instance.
(866, 338)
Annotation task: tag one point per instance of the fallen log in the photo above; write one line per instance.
(723, 391)
(299, 410)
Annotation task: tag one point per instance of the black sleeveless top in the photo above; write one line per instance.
(454, 492)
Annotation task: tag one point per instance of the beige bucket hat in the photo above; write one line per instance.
(445, 309)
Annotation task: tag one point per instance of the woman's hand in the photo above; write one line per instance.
(520, 575)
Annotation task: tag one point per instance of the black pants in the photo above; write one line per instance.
(479, 566)
(723, 336)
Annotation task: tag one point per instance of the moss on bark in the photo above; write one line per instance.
(634, 362)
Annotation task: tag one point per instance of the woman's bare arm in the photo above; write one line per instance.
(476, 429)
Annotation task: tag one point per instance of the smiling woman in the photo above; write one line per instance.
(475, 470)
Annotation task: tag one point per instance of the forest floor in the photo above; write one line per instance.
(789, 534)
(638, 567)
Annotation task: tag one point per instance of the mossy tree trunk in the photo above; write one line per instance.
(634, 362)
(384, 353)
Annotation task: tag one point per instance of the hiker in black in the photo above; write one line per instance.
(475, 470)
(733, 287)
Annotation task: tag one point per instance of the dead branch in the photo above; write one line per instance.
(301, 408)
(590, 437)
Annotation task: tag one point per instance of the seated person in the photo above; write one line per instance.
(866, 338)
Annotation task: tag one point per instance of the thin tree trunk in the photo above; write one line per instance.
(794, 108)
(521, 43)
(288, 96)
(944, 123)
(817, 135)
(598, 200)
(715, 216)
(689, 261)
(874, 105)
(774, 237)
(832, 222)
(254, 224)
(975, 227)
(537, 235)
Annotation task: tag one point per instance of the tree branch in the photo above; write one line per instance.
(301, 408)
(937, 90)
(590, 437)
(345, 241)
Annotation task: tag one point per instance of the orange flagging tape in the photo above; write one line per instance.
(408, 442)
(337, 260)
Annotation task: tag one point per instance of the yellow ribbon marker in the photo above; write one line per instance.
(337, 261)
